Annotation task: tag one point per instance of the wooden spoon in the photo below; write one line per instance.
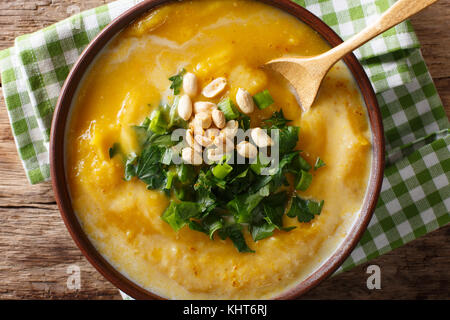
(306, 74)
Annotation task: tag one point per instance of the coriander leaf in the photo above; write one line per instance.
(130, 168)
(177, 81)
(239, 180)
(319, 163)
(206, 200)
(150, 156)
(299, 163)
(287, 159)
(262, 231)
(115, 149)
(212, 224)
(243, 122)
(208, 225)
(161, 140)
(207, 180)
(234, 232)
(242, 206)
(261, 162)
(158, 124)
(241, 175)
(288, 138)
(142, 134)
(149, 168)
(196, 226)
(184, 192)
(278, 178)
(203, 187)
(172, 116)
(268, 216)
(303, 181)
(276, 121)
(260, 182)
(274, 207)
(304, 210)
(177, 215)
(186, 173)
(146, 122)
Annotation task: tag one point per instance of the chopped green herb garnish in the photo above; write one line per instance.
(263, 99)
(303, 181)
(229, 109)
(242, 206)
(186, 173)
(277, 120)
(261, 162)
(304, 210)
(130, 169)
(208, 225)
(149, 168)
(223, 198)
(177, 81)
(243, 121)
(177, 215)
(146, 122)
(288, 138)
(299, 163)
(158, 124)
(319, 163)
(262, 231)
(234, 232)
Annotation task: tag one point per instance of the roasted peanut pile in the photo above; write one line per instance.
(208, 127)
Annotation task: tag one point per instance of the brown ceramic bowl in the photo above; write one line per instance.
(58, 139)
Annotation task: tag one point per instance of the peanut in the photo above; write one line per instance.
(214, 87)
(245, 101)
(230, 129)
(261, 138)
(247, 150)
(185, 107)
(204, 106)
(203, 119)
(218, 118)
(190, 86)
(191, 157)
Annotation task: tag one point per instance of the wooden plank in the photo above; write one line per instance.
(37, 249)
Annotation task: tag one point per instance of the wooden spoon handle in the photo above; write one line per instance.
(401, 10)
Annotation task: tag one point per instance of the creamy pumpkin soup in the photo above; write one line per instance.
(254, 194)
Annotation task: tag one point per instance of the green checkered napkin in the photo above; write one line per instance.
(415, 197)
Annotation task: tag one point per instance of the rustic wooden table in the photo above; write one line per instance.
(36, 250)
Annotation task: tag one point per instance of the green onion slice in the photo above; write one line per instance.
(229, 109)
(222, 170)
(263, 99)
(319, 163)
(158, 124)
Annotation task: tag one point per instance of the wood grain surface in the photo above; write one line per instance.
(36, 250)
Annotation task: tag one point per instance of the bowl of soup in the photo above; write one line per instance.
(185, 170)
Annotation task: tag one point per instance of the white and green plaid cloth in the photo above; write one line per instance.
(415, 197)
